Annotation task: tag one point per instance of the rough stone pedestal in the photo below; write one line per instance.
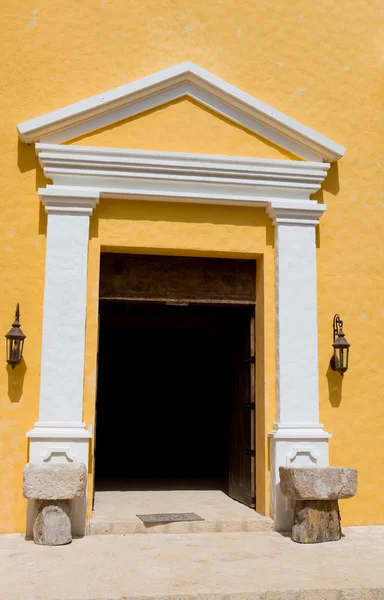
(53, 486)
(316, 491)
(52, 526)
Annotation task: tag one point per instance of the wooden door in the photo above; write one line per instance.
(242, 423)
(95, 420)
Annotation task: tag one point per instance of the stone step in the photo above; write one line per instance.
(100, 526)
(115, 512)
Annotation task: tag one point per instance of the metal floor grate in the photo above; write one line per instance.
(169, 517)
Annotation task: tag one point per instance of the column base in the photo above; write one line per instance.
(58, 443)
(294, 445)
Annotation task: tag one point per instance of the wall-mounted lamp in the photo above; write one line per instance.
(15, 341)
(339, 360)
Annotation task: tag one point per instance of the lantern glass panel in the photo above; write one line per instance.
(9, 349)
(341, 355)
(19, 349)
(345, 358)
(337, 358)
(15, 351)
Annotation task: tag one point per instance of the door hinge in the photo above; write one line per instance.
(250, 405)
(250, 452)
(251, 360)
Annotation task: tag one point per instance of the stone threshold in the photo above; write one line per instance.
(115, 512)
(122, 527)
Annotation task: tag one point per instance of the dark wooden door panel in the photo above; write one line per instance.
(242, 424)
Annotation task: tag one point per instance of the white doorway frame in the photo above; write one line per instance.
(81, 176)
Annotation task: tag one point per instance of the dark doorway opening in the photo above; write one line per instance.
(175, 405)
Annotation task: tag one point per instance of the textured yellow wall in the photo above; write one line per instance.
(319, 62)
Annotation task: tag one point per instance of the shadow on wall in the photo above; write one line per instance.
(16, 381)
(331, 183)
(26, 157)
(184, 212)
(27, 161)
(335, 387)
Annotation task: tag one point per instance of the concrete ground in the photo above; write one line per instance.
(228, 566)
(115, 512)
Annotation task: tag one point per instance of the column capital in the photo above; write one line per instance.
(64, 200)
(298, 431)
(299, 212)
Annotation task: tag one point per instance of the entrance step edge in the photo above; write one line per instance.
(100, 526)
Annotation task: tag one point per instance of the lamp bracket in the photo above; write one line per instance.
(337, 326)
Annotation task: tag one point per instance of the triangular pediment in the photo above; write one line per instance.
(184, 80)
(183, 125)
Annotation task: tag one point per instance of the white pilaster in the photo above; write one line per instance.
(60, 434)
(298, 438)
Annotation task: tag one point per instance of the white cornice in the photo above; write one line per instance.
(186, 79)
(132, 174)
(282, 213)
(68, 200)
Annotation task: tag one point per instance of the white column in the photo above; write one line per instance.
(298, 438)
(60, 434)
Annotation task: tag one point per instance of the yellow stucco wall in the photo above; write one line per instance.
(320, 63)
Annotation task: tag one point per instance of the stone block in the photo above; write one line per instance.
(316, 521)
(52, 526)
(48, 481)
(318, 483)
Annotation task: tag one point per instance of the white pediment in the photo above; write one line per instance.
(186, 79)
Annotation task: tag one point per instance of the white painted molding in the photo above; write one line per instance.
(301, 450)
(186, 79)
(59, 431)
(64, 314)
(298, 439)
(60, 434)
(299, 431)
(178, 177)
(281, 214)
(71, 201)
(64, 452)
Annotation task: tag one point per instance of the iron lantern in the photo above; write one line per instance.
(339, 360)
(15, 341)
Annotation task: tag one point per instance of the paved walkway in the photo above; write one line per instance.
(226, 566)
